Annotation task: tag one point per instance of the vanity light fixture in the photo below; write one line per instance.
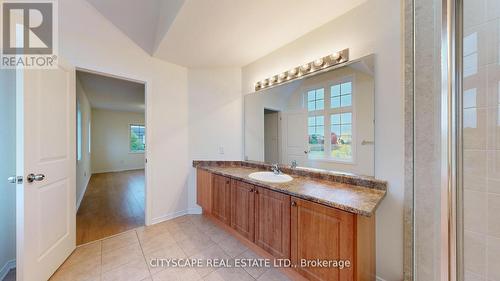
(319, 62)
(306, 69)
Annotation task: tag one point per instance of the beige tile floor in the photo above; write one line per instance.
(126, 257)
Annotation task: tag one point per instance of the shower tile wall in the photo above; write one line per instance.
(482, 139)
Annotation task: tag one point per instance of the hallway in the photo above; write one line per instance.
(113, 203)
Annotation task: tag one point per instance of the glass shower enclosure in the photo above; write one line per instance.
(453, 117)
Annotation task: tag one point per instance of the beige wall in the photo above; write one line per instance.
(215, 118)
(83, 167)
(7, 168)
(371, 28)
(110, 148)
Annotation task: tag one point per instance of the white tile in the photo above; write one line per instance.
(494, 215)
(475, 169)
(493, 259)
(475, 211)
(493, 129)
(493, 9)
(475, 12)
(475, 128)
(475, 253)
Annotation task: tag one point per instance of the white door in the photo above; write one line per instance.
(295, 132)
(46, 148)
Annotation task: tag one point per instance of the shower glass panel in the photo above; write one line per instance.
(481, 139)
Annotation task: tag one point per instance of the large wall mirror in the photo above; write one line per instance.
(322, 121)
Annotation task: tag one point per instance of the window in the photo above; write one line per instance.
(316, 99)
(78, 132)
(316, 132)
(137, 138)
(331, 115)
(341, 136)
(341, 95)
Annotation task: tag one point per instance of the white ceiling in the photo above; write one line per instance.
(111, 93)
(145, 22)
(218, 33)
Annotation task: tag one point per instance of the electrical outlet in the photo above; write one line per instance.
(221, 149)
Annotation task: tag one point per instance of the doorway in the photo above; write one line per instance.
(271, 136)
(110, 157)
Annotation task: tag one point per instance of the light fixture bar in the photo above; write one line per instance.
(304, 70)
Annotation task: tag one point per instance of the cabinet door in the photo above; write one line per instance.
(221, 198)
(272, 222)
(204, 189)
(320, 232)
(242, 208)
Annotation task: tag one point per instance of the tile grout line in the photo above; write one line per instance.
(143, 255)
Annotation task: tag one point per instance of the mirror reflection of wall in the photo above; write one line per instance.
(323, 121)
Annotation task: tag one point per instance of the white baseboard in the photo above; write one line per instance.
(195, 211)
(6, 268)
(83, 193)
(169, 216)
(379, 279)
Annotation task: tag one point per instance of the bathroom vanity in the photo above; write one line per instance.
(318, 215)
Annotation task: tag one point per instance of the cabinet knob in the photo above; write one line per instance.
(251, 190)
(294, 203)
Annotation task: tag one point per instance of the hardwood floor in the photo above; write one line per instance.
(113, 203)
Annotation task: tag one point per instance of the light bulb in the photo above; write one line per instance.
(319, 62)
(306, 67)
(335, 57)
(264, 82)
(257, 85)
(282, 76)
(293, 72)
(273, 79)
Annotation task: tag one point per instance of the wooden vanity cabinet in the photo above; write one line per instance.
(221, 198)
(204, 190)
(242, 208)
(319, 232)
(325, 233)
(272, 222)
(292, 228)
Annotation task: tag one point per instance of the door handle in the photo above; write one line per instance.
(37, 177)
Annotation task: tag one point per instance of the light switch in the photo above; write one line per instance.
(221, 149)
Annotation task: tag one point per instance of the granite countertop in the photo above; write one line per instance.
(352, 198)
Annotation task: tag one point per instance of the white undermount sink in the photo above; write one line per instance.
(270, 177)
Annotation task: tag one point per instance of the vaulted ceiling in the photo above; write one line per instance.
(218, 33)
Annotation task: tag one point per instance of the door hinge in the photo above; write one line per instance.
(15, 180)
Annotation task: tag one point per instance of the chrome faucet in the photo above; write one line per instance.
(294, 164)
(276, 169)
